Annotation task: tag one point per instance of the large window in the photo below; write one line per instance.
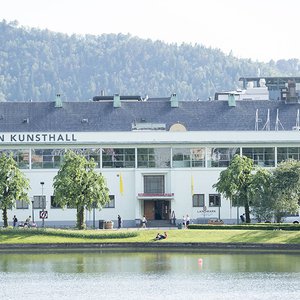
(111, 203)
(89, 153)
(154, 184)
(21, 204)
(221, 157)
(188, 157)
(118, 158)
(264, 157)
(214, 200)
(39, 202)
(153, 157)
(53, 203)
(198, 200)
(20, 156)
(46, 158)
(285, 153)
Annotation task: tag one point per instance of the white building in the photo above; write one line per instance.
(160, 157)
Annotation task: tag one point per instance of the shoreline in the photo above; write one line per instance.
(153, 246)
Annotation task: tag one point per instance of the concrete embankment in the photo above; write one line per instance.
(155, 246)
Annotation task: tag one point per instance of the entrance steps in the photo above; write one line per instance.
(160, 223)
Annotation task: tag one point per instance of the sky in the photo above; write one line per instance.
(259, 29)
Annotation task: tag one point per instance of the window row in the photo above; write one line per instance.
(214, 200)
(154, 157)
(39, 202)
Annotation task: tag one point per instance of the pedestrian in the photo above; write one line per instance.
(144, 222)
(187, 221)
(183, 221)
(15, 221)
(27, 222)
(119, 222)
(242, 218)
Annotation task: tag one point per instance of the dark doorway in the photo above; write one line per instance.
(162, 210)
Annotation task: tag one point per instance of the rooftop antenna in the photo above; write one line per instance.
(297, 120)
(267, 125)
(256, 120)
(278, 121)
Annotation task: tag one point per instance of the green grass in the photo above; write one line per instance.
(28, 236)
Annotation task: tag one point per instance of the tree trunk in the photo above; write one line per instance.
(247, 212)
(80, 218)
(4, 216)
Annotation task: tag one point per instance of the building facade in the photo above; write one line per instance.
(160, 157)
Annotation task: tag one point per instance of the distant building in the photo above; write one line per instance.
(160, 156)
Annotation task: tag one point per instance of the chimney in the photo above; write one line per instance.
(58, 102)
(117, 101)
(174, 100)
(231, 100)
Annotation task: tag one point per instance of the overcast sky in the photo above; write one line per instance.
(258, 29)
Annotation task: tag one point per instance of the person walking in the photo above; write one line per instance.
(187, 221)
(119, 222)
(15, 221)
(144, 222)
(183, 221)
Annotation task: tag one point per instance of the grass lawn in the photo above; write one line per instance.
(27, 236)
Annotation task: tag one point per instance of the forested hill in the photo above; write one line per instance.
(36, 64)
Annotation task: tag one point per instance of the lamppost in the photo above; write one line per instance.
(32, 203)
(43, 203)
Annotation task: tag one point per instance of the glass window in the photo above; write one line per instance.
(198, 157)
(214, 200)
(181, 158)
(153, 157)
(47, 158)
(154, 184)
(221, 157)
(111, 203)
(89, 153)
(53, 204)
(198, 200)
(264, 157)
(118, 158)
(285, 153)
(21, 204)
(39, 202)
(20, 156)
(188, 157)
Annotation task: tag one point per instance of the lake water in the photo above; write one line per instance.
(149, 275)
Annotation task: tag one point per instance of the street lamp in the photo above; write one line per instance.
(43, 203)
(32, 203)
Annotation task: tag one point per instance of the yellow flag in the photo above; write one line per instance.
(192, 184)
(121, 185)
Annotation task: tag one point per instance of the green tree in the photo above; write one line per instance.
(78, 185)
(262, 195)
(286, 188)
(235, 182)
(13, 185)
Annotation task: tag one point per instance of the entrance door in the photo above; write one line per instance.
(157, 209)
(149, 209)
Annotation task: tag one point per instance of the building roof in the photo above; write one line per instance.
(102, 116)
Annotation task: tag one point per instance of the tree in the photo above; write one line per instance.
(286, 187)
(13, 185)
(235, 182)
(262, 195)
(78, 185)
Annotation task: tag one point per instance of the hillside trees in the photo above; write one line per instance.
(36, 64)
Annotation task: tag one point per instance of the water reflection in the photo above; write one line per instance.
(146, 262)
(149, 275)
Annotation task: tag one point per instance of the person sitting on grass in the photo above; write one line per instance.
(161, 236)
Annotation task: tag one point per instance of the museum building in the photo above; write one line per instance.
(160, 156)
